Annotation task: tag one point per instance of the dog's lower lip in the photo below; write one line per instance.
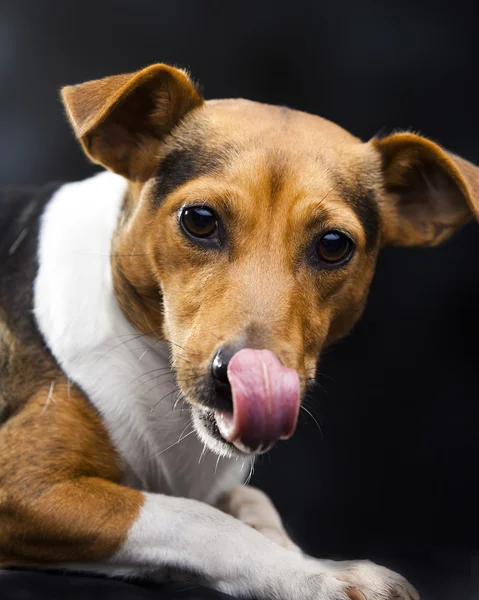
(225, 422)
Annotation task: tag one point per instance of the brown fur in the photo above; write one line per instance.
(121, 120)
(59, 493)
(59, 474)
(17, 359)
(277, 178)
(431, 192)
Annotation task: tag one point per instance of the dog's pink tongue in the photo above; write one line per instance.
(266, 399)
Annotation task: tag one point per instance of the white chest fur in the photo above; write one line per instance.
(126, 376)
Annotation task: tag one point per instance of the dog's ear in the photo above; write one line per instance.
(429, 192)
(122, 120)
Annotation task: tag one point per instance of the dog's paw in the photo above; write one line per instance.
(253, 508)
(368, 581)
(299, 576)
(358, 580)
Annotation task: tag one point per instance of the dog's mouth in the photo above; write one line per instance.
(265, 403)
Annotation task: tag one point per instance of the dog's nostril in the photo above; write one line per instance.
(219, 366)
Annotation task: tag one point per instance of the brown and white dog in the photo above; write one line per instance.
(159, 324)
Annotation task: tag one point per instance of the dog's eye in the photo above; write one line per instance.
(199, 222)
(334, 248)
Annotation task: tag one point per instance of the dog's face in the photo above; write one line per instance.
(249, 236)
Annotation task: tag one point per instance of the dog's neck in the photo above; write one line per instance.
(125, 373)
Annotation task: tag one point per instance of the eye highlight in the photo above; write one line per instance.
(332, 249)
(199, 222)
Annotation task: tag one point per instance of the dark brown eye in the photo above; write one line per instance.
(199, 222)
(333, 248)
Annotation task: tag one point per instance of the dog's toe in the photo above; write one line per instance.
(373, 582)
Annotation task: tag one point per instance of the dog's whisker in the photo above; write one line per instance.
(317, 383)
(161, 376)
(307, 411)
(135, 337)
(181, 438)
(203, 452)
(325, 375)
(250, 474)
(179, 397)
(182, 348)
(169, 393)
(168, 369)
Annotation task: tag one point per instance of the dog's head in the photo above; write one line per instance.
(249, 235)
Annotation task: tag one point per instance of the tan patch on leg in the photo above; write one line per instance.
(59, 473)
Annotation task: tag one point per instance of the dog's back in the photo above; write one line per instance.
(20, 213)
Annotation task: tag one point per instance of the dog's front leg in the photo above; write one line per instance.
(221, 552)
(228, 555)
(254, 508)
(61, 503)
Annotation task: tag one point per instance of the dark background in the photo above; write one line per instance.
(394, 476)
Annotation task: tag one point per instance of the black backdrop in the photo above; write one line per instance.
(394, 474)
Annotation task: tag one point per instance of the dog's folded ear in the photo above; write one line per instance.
(429, 192)
(122, 120)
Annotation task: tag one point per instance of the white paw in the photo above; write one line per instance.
(368, 581)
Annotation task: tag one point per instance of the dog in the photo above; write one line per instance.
(161, 320)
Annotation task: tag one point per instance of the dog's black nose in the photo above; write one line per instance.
(219, 366)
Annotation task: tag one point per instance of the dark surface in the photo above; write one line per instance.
(25, 585)
(394, 474)
(438, 576)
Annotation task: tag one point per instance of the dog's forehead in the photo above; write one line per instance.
(262, 126)
(245, 117)
(274, 151)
